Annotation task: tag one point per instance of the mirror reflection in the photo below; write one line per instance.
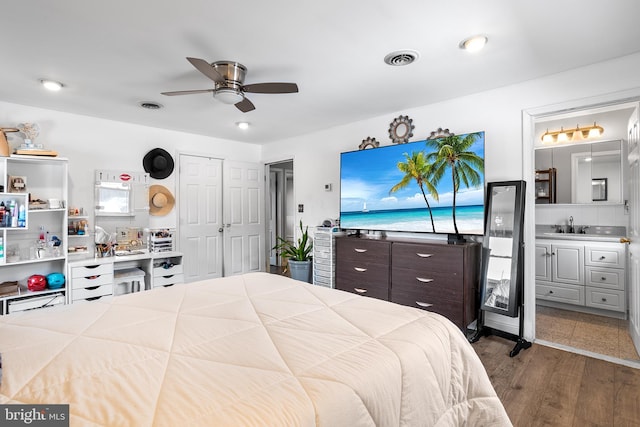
(579, 174)
(500, 235)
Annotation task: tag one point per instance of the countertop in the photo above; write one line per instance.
(90, 260)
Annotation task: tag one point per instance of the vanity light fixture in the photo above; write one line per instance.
(243, 125)
(473, 44)
(51, 85)
(577, 134)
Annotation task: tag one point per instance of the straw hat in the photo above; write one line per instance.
(161, 200)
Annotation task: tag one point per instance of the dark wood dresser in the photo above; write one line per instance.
(427, 274)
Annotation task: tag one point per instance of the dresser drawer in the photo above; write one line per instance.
(92, 281)
(608, 256)
(570, 294)
(608, 299)
(91, 270)
(92, 292)
(373, 290)
(448, 285)
(161, 271)
(425, 258)
(169, 280)
(372, 274)
(610, 278)
(452, 310)
(362, 251)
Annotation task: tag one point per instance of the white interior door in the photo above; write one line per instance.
(200, 219)
(244, 222)
(634, 229)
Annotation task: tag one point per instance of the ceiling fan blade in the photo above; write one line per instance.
(245, 105)
(186, 92)
(205, 68)
(271, 88)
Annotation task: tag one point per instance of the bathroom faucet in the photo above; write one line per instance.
(571, 229)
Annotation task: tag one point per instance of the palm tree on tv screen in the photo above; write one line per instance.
(466, 166)
(416, 167)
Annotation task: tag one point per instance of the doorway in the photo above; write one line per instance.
(576, 326)
(281, 209)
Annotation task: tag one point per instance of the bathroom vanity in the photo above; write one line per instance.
(582, 272)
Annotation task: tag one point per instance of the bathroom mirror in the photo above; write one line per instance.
(503, 265)
(576, 169)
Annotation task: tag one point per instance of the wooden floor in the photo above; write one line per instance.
(543, 386)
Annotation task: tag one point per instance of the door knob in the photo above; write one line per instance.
(221, 229)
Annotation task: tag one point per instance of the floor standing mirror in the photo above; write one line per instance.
(502, 278)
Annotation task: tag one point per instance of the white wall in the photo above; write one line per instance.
(500, 112)
(90, 143)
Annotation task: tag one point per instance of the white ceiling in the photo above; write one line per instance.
(112, 55)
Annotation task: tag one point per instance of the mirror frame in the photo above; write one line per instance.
(516, 279)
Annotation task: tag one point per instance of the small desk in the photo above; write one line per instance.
(89, 279)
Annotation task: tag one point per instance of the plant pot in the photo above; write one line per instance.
(300, 270)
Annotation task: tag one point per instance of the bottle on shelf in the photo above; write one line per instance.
(22, 221)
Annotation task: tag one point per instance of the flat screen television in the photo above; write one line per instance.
(410, 187)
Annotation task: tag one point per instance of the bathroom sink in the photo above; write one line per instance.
(583, 236)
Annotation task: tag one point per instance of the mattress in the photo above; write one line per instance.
(249, 350)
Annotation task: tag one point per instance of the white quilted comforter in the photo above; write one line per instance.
(251, 350)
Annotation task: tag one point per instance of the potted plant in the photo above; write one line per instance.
(298, 255)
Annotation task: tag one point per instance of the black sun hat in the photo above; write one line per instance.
(158, 163)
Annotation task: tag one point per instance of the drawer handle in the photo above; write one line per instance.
(168, 277)
(603, 278)
(603, 258)
(360, 291)
(92, 288)
(423, 280)
(424, 304)
(604, 300)
(550, 292)
(92, 277)
(93, 298)
(360, 251)
(424, 255)
(360, 269)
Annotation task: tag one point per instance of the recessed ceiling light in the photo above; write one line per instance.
(51, 85)
(473, 44)
(150, 105)
(401, 57)
(243, 125)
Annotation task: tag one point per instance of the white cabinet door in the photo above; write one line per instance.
(567, 263)
(543, 261)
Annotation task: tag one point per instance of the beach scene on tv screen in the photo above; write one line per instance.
(434, 186)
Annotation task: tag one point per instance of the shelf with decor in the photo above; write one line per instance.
(545, 186)
(35, 245)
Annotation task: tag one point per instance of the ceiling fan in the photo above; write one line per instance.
(229, 83)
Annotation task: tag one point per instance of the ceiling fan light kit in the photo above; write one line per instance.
(229, 87)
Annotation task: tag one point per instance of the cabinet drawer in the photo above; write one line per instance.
(570, 294)
(448, 285)
(365, 289)
(362, 251)
(91, 270)
(92, 292)
(608, 299)
(452, 310)
(611, 256)
(161, 271)
(427, 258)
(610, 278)
(168, 280)
(91, 281)
(364, 273)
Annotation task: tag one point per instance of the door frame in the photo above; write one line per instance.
(267, 198)
(529, 119)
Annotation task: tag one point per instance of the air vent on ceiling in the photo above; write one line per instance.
(401, 57)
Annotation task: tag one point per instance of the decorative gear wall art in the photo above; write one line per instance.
(401, 129)
(440, 133)
(369, 142)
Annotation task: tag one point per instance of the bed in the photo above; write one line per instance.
(251, 350)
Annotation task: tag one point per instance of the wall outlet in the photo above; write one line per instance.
(300, 208)
(327, 187)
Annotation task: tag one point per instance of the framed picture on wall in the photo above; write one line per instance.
(17, 184)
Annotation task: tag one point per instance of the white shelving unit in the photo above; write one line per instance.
(46, 180)
(324, 256)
